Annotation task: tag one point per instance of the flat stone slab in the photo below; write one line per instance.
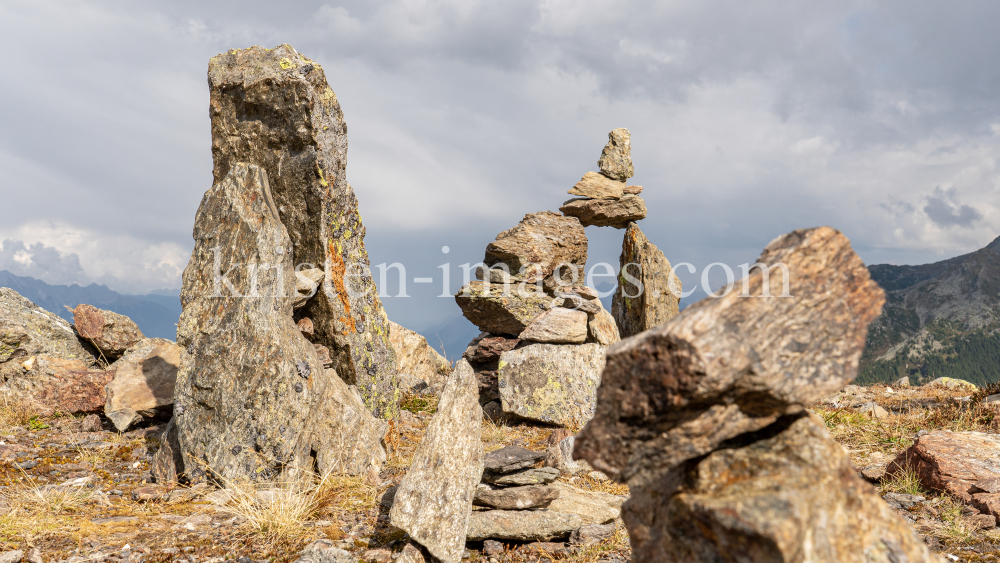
(510, 458)
(557, 326)
(617, 213)
(538, 476)
(593, 507)
(515, 498)
(524, 525)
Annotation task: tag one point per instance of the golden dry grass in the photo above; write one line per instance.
(14, 413)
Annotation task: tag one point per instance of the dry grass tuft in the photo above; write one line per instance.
(277, 513)
(906, 482)
(14, 413)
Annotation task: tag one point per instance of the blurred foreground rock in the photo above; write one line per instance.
(729, 379)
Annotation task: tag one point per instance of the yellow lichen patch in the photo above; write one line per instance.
(285, 63)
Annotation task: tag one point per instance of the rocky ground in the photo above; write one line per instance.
(78, 495)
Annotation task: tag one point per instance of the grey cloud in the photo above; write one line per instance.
(945, 214)
(41, 261)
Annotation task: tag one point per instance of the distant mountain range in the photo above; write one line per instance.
(156, 313)
(939, 320)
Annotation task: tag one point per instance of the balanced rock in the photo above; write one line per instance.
(515, 498)
(112, 334)
(597, 186)
(649, 294)
(539, 245)
(523, 525)
(791, 495)
(433, 503)
(415, 357)
(951, 462)
(732, 365)
(273, 108)
(535, 476)
(510, 458)
(602, 328)
(551, 383)
(143, 384)
(557, 326)
(500, 309)
(617, 213)
(616, 159)
(27, 330)
(252, 399)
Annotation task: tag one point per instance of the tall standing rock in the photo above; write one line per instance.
(252, 400)
(434, 501)
(274, 108)
(732, 365)
(652, 296)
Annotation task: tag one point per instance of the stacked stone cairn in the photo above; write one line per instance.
(545, 334)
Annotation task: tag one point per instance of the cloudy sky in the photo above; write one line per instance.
(748, 120)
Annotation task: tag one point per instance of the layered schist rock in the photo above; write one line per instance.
(252, 399)
(53, 385)
(273, 108)
(648, 293)
(952, 462)
(112, 334)
(433, 503)
(617, 213)
(704, 417)
(616, 158)
(541, 243)
(143, 384)
(606, 201)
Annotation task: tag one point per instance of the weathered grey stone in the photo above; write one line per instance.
(598, 186)
(541, 243)
(492, 310)
(617, 213)
(873, 410)
(557, 326)
(551, 383)
(536, 476)
(515, 498)
(91, 423)
(324, 551)
(28, 330)
(143, 387)
(679, 390)
(652, 296)
(593, 507)
(524, 525)
(793, 496)
(252, 398)
(411, 554)
(591, 534)
(434, 501)
(616, 158)
(510, 458)
(11, 556)
(415, 357)
(112, 334)
(168, 463)
(274, 108)
(903, 382)
(307, 284)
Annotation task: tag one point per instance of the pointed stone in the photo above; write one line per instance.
(433, 503)
(252, 400)
(616, 159)
(652, 296)
(273, 108)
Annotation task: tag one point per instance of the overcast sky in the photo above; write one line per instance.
(748, 120)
